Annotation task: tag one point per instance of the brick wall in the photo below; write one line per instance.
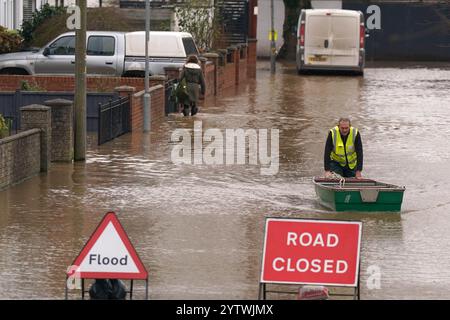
(209, 79)
(67, 83)
(20, 157)
(158, 105)
(137, 111)
(251, 58)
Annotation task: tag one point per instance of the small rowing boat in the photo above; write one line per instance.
(351, 194)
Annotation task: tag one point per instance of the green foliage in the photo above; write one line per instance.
(200, 20)
(10, 40)
(38, 17)
(26, 86)
(4, 127)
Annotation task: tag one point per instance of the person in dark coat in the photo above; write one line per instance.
(195, 81)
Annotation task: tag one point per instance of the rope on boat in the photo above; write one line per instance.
(336, 176)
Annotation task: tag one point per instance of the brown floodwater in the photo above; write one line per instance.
(199, 228)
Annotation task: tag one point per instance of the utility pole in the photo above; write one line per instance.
(147, 71)
(272, 39)
(80, 85)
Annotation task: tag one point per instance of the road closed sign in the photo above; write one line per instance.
(319, 252)
(108, 254)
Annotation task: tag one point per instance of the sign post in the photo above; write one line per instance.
(108, 254)
(311, 252)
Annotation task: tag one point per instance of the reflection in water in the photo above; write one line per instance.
(199, 229)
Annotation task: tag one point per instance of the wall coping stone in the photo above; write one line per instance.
(19, 135)
(35, 107)
(211, 55)
(58, 103)
(158, 78)
(125, 89)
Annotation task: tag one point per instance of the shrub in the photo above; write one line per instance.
(4, 128)
(26, 86)
(38, 17)
(10, 40)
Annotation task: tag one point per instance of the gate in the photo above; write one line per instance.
(234, 16)
(114, 119)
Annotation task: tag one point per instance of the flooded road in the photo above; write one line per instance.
(199, 228)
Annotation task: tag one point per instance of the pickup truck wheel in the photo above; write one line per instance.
(134, 74)
(17, 71)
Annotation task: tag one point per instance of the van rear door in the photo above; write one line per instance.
(345, 40)
(317, 43)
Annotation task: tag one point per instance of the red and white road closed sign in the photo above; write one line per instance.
(320, 252)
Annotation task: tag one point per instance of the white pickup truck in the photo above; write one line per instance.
(108, 53)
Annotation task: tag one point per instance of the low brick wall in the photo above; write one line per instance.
(67, 83)
(157, 101)
(20, 157)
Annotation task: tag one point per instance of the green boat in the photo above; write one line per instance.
(352, 194)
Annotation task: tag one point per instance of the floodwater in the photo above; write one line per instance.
(199, 228)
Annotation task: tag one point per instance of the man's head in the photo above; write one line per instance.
(344, 126)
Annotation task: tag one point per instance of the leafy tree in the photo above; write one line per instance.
(200, 20)
(38, 17)
(292, 12)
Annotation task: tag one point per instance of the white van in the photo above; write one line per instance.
(331, 39)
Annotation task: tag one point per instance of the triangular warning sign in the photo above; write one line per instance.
(108, 254)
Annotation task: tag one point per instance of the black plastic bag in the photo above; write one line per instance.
(107, 289)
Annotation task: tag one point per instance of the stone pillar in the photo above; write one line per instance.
(158, 79)
(37, 116)
(125, 91)
(232, 51)
(244, 49)
(237, 62)
(214, 58)
(222, 57)
(251, 58)
(62, 129)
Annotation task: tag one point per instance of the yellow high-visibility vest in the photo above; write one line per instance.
(338, 153)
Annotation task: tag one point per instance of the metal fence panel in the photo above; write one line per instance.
(114, 119)
(11, 102)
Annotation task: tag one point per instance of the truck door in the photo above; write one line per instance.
(101, 55)
(345, 40)
(60, 58)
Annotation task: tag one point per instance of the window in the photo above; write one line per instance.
(189, 46)
(63, 46)
(100, 46)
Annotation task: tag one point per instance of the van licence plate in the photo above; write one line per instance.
(317, 58)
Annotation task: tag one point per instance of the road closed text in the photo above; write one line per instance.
(307, 239)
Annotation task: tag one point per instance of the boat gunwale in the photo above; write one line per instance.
(385, 187)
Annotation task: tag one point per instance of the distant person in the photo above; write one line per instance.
(343, 151)
(195, 82)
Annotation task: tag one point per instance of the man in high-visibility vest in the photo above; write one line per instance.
(343, 150)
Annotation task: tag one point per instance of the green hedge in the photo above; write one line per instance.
(10, 40)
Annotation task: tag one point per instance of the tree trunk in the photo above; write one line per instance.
(292, 10)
